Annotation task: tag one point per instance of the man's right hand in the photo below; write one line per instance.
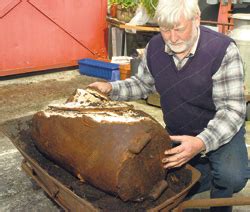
(104, 87)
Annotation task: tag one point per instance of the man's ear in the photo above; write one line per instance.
(197, 20)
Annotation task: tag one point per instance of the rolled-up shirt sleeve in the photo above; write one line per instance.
(229, 100)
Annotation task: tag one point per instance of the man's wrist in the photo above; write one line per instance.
(203, 146)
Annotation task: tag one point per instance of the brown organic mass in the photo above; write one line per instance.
(108, 144)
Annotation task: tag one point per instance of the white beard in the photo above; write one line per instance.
(183, 46)
(178, 48)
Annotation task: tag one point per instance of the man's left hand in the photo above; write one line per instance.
(179, 155)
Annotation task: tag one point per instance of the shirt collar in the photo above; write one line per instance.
(193, 49)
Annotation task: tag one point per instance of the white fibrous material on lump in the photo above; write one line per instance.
(96, 106)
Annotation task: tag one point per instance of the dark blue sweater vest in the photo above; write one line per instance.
(186, 95)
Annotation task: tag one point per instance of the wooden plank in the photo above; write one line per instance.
(55, 189)
(216, 202)
(122, 25)
(140, 28)
(247, 97)
(247, 127)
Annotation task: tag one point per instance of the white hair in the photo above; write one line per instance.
(169, 12)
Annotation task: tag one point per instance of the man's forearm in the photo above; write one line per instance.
(129, 89)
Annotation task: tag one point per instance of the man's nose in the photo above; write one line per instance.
(173, 36)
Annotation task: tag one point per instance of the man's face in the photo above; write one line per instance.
(182, 36)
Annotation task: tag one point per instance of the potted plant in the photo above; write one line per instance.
(126, 9)
(150, 6)
(112, 4)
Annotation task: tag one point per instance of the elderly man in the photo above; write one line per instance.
(199, 76)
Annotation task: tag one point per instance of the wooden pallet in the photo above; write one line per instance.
(67, 197)
(69, 201)
(63, 196)
(67, 191)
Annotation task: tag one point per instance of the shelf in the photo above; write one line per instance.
(122, 25)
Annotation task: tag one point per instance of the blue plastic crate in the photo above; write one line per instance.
(96, 68)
